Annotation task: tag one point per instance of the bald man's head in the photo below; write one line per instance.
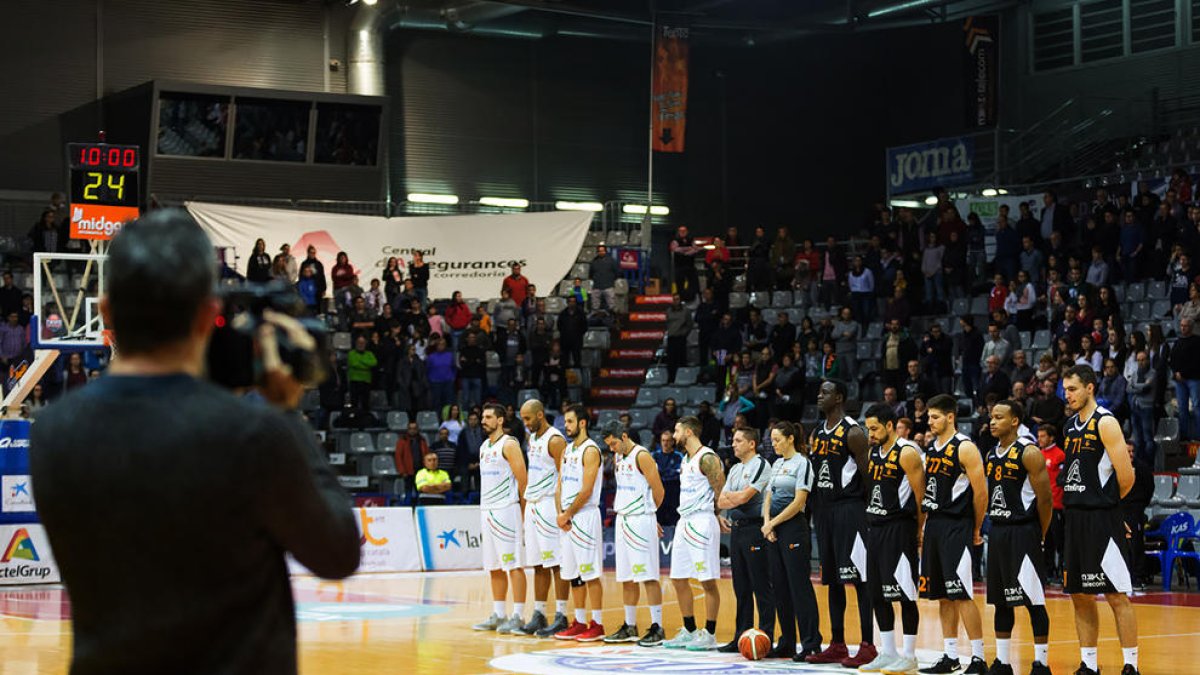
(533, 415)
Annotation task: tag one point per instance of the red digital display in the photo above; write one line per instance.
(104, 156)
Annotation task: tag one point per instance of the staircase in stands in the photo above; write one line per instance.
(632, 350)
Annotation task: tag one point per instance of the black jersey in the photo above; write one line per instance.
(1087, 478)
(1011, 498)
(948, 492)
(891, 496)
(836, 471)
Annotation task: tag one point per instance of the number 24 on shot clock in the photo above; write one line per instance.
(104, 188)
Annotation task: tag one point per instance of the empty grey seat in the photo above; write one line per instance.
(386, 441)
(1188, 489)
(1041, 340)
(852, 391)
(768, 316)
(526, 395)
(379, 400)
(656, 376)
(687, 375)
(1141, 311)
(781, 299)
(361, 441)
(738, 300)
(493, 360)
(1157, 290)
(1135, 292)
(1026, 339)
(1160, 309)
(979, 306)
(427, 421)
(641, 417)
(647, 398)
(605, 416)
(383, 465)
(341, 341)
(596, 338)
(875, 330)
(555, 305)
(700, 393)
(760, 299)
(865, 350)
(961, 306)
(677, 393)
(616, 238)
(580, 270)
(1164, 489)
(397, 420)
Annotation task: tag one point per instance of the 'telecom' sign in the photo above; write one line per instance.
(90, 221)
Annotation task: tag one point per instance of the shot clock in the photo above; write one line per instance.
(104, 188)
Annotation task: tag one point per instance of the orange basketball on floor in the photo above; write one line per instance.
(754, 644)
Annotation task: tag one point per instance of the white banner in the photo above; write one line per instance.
(25, 555)
(470, 253)
(450, 537)
(388, 541)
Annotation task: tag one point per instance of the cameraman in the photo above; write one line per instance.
(169, 502)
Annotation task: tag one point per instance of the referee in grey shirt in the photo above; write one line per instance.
(742, 497)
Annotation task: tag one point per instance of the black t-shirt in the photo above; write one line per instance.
(419, 276)
(169, 504)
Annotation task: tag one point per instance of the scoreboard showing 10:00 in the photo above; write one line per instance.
(103, 188)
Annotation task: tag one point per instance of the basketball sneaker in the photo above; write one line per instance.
(998, 668)
(625, 633)
(1129, 670)
(559, 625)
(511, 625)
(836, 652)
(491, 623)
(653, 637)
(781, 651)
(946, 664)
(681, 640)
(536, 623)
(702, 641)
(977, 667)
(866, 653)
(571, 632)
(1039, 668)
(876, 666)
(729, 647)
(902, 665)
(592, 633)
(1084, 670)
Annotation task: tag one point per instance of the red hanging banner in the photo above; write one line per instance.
(670, 88)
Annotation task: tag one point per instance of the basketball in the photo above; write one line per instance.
(754, 644)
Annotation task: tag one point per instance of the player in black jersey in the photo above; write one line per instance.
(895, 488)
(954, 505)
(1020, 507)
(838, 450)
(1096, 474)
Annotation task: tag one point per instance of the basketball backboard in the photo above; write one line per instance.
(66, 301)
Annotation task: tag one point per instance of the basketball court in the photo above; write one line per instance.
(421, 623)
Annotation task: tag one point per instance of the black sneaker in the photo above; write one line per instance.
(802, 657)
(1039, 668)
(1129, 670)
(536, 623)
(625, 633)
(653, 637)
(998, 668)
(1084, 670)
(781, 652)
(977, 667)
(728, 648)
(560, 624)
(944, 665)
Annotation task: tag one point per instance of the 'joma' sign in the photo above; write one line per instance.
(917, 167)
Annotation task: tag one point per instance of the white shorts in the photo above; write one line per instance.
(501, 544)
(696, 548)
(636, 540)
(583, 547)
(542, 536)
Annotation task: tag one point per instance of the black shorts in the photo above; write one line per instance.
(1096, 552)
(946, 569)
(892, 560)
(1016, 567)
(841, 542)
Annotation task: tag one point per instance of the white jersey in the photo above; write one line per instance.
(572, 474)
(543, 472)
(695, 492)
(634, 497)
(497, 484)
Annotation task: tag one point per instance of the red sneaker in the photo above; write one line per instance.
(571, 632)
(593, 633)
(835, 653)
(866, 654)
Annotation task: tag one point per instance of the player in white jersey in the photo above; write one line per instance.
(501, 484)
(639, 494)
(696, 547)
(579, 483)
(542, 536)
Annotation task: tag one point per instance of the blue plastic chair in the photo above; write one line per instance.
(1173, 531)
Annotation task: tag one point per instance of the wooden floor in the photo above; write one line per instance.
(420, 623)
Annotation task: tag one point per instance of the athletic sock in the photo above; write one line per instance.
(711, 626)
(656, 614)
(1130, 654)
(598, 616)
(1088, 656)
(630, 615)
(560, 606)
(539, 606)
(689, 624)
(950, 647)
(1041, 654)
(1003, 650)
(887, 642)
(519, 608)
(910, 647)
(977, 648)
(581, 615)
(498, 608)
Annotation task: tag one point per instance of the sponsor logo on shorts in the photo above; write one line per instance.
(547, 556)
(892, 590)
(507, 558)
(1096, 580)
(1013, 594)
(701, 566)
(953, 585)
(639, 569)
(847, 572)
(587, 568)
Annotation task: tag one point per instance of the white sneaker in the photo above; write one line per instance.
(879, 664)
(901, 666)
(491, 623)
(702, 641)
(681, 640)
(514, 623)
